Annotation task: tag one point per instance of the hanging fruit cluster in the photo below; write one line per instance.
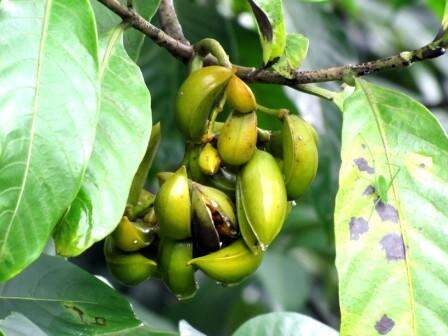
(228, 200)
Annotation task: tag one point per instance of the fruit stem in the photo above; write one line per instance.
(278, 113)
(263, 135)
(209, 134)
(142, 172)
(317, 91)
(196, 63)
(211, 46)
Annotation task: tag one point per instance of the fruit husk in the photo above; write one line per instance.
(300, 156)
(229, 265)
(238, 138)
(196, 98)
(177, 273)
(128, 268)
(239, 96)
(263, 197)
(132, 236)
(209, 160)
(172, 206)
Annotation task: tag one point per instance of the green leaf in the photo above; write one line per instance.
(285, 324)
(133, 39)
(445, 17)
(284, 280)
(18, 325)
(271, 27)
(48, 114)
(392, 257)
(61, 299)
(120, 144)
(185, 329)
(295, 52)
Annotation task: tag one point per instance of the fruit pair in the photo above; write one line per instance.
(199, 92)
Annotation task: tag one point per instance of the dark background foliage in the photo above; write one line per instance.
(298, 273)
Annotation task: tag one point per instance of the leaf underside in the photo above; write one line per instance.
(57, 298)
(392, 257)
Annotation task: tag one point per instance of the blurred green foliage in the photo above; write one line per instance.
(298, 273)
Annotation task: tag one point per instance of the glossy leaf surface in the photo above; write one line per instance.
(48, 115)
(121, 139)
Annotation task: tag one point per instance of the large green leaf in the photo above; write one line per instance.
(285, 324)
(271, 27)
(392, 254)
(60, 299)
(18, 325)
(133, 39)
(120, 144)
(284, 280)
(48, 115)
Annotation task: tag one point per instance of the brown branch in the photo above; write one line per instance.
(169, 21)
(185, 52)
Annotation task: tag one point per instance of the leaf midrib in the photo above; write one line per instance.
(42, 41)
(376, 113)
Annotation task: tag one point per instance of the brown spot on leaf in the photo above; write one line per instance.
(363, 165)
(393, 245)
(358, 226)
(370, 190)
(84, 318)
(386, 211)
(384, 325)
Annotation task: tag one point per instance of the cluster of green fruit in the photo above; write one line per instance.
(227, 202)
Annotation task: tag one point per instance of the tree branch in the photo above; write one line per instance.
(169, 21)
(185, 52)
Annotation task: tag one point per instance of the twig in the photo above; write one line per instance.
(185, 52)
(169, 21)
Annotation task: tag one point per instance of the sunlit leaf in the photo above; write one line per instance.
(48, 115)
(271, 27)
(285, 324)
(133, 39)
(392, 256)
(121, 139)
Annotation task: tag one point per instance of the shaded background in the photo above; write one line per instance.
(298, 273)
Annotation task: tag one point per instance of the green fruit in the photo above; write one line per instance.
(300, 157)
(209, 160)
(193, 167)
(313, 132)
(128, 268)
(263, 198)
(238, 138)
(239, 96)
(196, 97)
(172, 206)
(229, 265)
(245, 228)
(132, 236)
(177, 273)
